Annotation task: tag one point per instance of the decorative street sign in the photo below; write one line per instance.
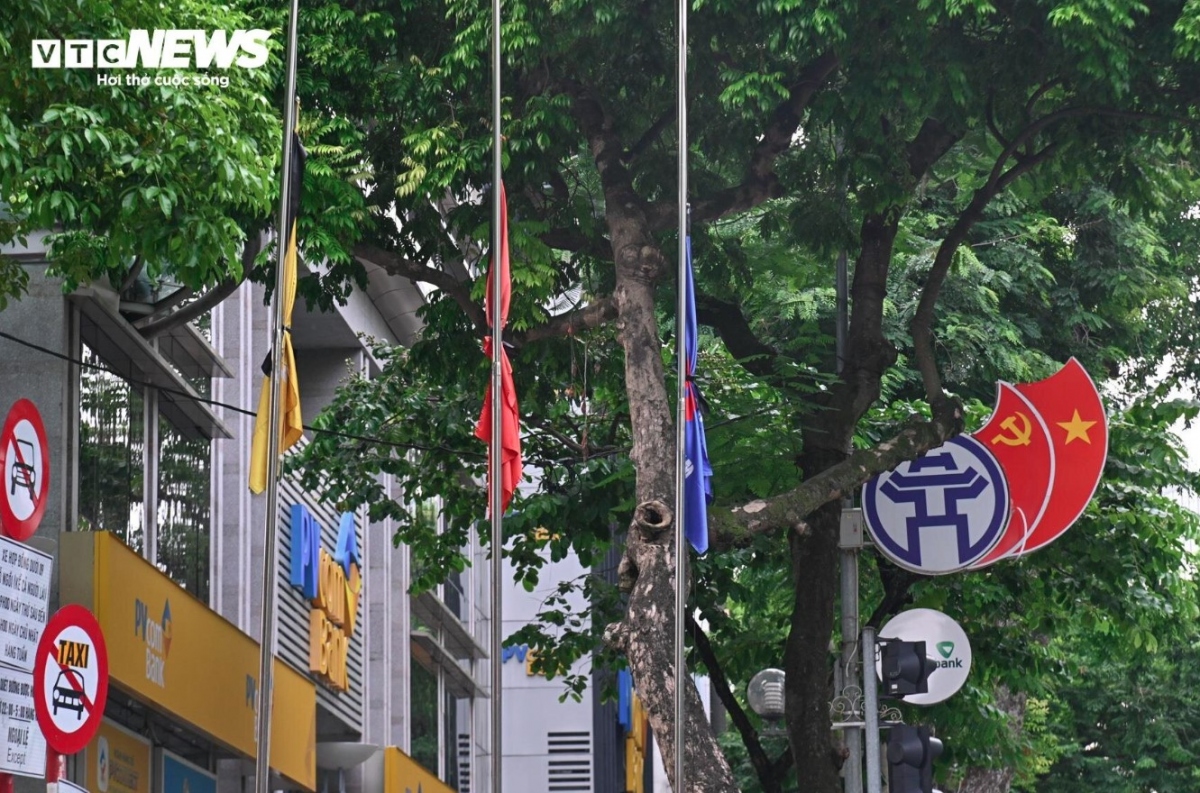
(25, 467)
(1051, 438)
(941, 512)
(24, 748)
(24, 602)
(70, 679)
(945, 643)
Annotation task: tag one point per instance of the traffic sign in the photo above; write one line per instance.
(946, 644)
(24, 748)
(70, 679)
(941, 512)
(24, 602)
(25, 467)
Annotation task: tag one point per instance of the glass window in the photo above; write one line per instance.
(112, 468)
(183, 510)
(450, 741)
(423, 714)
(110, 453)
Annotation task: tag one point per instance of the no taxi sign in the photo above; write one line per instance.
(70, 679)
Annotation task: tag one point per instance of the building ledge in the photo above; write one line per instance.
(458, 681)
(191, 353)
(457, 640)
(132, 357)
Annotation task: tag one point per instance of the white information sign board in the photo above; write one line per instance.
(24, 747)
(24, 602)
(945, 643)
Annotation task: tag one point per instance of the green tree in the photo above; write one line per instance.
(818, 127)
(160, 182)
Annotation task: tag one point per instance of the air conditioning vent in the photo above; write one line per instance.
(569, 769)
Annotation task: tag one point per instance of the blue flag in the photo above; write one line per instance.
(697, 482)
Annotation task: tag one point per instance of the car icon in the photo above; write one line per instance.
(66, 696)
(22, 473)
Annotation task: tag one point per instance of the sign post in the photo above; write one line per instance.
(70, 679)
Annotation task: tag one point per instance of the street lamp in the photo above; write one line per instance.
(765, 693)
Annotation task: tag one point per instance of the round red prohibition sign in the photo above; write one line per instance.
(25, 467)
(70, 679)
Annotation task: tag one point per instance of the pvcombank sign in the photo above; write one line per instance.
(156, 49)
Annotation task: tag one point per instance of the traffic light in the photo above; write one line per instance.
(910, 753)
(906, 670)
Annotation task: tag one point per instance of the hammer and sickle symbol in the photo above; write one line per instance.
(1020, 436)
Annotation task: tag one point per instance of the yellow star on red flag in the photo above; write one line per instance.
(1076, 428)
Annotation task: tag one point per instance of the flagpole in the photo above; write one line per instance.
(681, 555)
(495, 450)
(266, 648)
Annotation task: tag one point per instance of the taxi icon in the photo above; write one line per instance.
(66, 696)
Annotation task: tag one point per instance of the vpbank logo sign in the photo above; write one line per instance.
(156, 49)
(156, 634)
(946, 645)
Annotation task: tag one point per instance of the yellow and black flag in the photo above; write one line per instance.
(291, 423)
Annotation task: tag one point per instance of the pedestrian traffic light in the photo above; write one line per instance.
(910, 753)
(906, 670)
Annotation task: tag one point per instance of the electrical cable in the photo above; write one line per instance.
(175, 392)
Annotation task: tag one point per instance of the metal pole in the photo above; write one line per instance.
(848, 557)
(842, 283)
(871, 706)
(849, 564)
(681, 554)
(266, 649)
(497, 460)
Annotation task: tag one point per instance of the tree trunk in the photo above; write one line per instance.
(647, 571)
(814, 542)
(813, 549)
(998, 780)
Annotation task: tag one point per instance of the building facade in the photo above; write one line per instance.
(149, 523)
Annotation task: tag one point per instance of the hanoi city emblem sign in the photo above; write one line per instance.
(939, 513)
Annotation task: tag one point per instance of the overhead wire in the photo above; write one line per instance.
(179, 394)
(175, 392)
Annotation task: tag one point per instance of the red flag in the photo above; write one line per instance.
(510, 423)
(1018, 437)
(1074, 414)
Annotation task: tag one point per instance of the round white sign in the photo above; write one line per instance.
(939, 513)
(945, 643)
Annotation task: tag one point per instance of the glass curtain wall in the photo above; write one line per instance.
(112, 453)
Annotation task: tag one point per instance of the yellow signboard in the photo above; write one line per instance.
(174, 653)
(402, 774)
(118, 761)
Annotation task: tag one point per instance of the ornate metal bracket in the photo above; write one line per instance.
(847, 710)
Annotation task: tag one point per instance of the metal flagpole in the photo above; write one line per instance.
(266, 650)
(681, 554)
(495, 450)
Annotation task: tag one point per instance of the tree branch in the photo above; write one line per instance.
(210, 299)
(896, 583)
(625, 209)
(649, 136)
(716, 675)
(134, 272)
(727, 319)
(395, 264)
(789, 510)
(921, 326)
(760, 182)
(575, 241)
(593, 315)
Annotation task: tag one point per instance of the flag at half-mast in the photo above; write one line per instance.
(291, 422)
(697, 479)
(510, 422)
